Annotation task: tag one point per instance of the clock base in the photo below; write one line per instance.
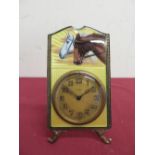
(100, 132)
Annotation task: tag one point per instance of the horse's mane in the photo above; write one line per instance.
(88, 38)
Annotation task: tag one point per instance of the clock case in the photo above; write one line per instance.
(59, 130)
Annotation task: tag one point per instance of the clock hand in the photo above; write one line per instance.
(87, 91)
(70, 91)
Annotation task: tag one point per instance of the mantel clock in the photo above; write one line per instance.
(79, 81)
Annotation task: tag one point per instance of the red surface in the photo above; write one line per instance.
(34, 131)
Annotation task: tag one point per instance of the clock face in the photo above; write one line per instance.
(78, 97)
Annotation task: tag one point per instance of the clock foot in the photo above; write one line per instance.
(100, 133)
(55, 136)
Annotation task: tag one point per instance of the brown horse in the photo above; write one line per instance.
(84, 44)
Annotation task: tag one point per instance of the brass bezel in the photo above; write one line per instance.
(83, 73)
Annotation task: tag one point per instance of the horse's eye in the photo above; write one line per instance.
(67, 42)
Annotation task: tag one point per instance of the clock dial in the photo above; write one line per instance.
(78, 97)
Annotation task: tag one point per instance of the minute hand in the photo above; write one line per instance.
(87, 91)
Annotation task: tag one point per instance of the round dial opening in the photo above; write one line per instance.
(78, 97)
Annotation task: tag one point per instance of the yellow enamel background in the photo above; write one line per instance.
(59, 67)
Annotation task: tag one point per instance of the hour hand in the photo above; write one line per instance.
(70, 91)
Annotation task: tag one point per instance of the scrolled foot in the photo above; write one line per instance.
(54, 136)
(100, 133)
(105, 139)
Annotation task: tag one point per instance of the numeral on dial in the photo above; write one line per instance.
(70, 83)
(79, 115)
(70, 112)
(87, 82)
(64, 89)
(96, 97)
(94, 106)
(65, 106)
(87, 111)
(79, 81)
(62, 98)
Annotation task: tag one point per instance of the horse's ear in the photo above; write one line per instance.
(67, 34)
(78, 36)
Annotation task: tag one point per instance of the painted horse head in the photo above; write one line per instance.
(85, 44)
(67, 48)
(82, 45)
